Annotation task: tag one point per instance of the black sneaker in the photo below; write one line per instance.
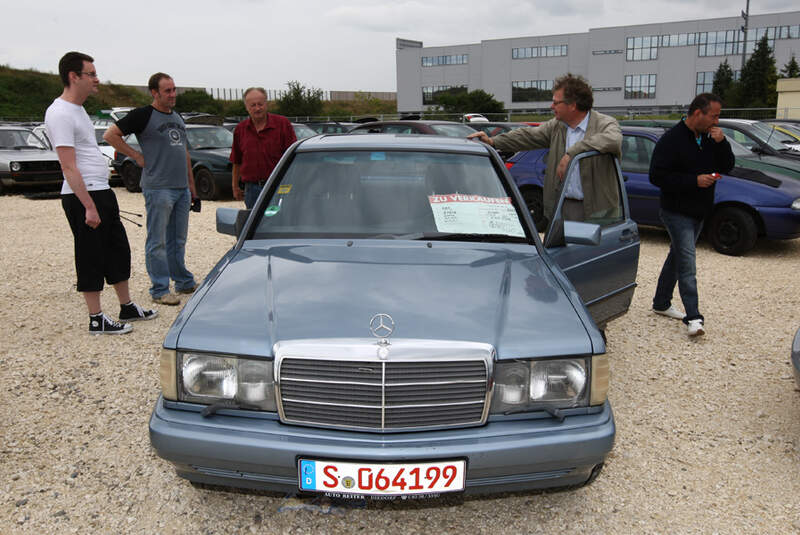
(102, 324)
(133, 312)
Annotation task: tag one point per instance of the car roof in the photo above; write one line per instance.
(738, 121)
(392, 142)
(15, 127)
(407, 121)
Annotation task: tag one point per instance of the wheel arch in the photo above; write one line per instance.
(746, 208)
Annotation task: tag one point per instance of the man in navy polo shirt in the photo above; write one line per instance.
(258, 144)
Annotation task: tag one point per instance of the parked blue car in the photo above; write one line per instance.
(748, 203)
(390, 324)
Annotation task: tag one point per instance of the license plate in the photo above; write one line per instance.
(381, 479)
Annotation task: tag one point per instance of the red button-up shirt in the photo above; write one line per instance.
(257, 153)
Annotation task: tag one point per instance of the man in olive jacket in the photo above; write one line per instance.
(573, 130)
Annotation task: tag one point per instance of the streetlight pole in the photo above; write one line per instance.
(746, 17)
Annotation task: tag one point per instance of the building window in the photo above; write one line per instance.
(705, 81)
(678, 39)
(435, 61)
(539, 52)
(430, 94)
(642, 48)
(640, 86)
(532, 91)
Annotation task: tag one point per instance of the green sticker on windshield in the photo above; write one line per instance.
(272, 210)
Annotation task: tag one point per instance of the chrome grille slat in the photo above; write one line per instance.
(369, 394)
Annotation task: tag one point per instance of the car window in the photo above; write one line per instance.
(452, 130)
(636, 153)
(212, 137)
(609, 209)
(98, 135)
(369, 193)
(302, 131)
(398, 129)
(739, 137)
(20, 139)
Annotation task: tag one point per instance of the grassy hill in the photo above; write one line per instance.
(26, 94)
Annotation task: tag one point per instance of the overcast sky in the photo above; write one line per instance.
(328, 44)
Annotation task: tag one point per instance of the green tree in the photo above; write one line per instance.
(197, 100)
(791, 69)
(300, 101)
(723, 79)
(759, 78)
(478, 101)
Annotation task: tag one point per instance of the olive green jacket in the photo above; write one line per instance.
(598, 175)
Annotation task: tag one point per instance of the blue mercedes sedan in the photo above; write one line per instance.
(390, 324)
(748, 202)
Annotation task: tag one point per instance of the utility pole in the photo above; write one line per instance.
(746, 17)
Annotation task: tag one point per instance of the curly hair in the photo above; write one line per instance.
(576, 90)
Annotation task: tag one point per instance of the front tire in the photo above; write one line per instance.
(131, 177)
(534, 200)
(732, 231)
(205, 185)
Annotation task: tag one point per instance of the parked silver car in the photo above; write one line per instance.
(26, 160)
(389, 323)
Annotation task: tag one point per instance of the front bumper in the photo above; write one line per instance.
(255, 452)
(780, 223)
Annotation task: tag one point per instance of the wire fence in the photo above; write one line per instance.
(536, 115)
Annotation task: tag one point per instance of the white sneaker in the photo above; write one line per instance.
(671, 312)
(696, 327)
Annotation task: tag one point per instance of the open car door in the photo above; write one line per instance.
(600, 256)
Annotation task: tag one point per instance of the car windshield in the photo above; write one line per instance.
(209, 137)
(390, 194)
(302, 131)
(20, 139)
(774, 138)
(452, 130)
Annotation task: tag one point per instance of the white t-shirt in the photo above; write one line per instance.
(68, 125)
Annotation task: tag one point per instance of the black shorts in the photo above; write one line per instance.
(101, 253)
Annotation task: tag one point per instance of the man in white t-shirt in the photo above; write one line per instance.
(101, 244)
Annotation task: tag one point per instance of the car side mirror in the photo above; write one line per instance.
(231, 221)
(581, 233)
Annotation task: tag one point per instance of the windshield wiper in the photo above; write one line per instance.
(452, 236)
(20, 147)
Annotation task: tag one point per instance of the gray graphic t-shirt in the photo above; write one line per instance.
(162, 137)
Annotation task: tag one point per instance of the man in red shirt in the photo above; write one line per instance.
(258, 144)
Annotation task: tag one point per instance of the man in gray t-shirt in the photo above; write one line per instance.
(167, 184)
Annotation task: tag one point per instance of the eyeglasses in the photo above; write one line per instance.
(92, 74)
(557, 102)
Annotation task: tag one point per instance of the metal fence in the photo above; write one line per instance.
(534, 115)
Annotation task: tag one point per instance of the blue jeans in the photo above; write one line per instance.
(165, 247)
(251, 193)
(680, 266)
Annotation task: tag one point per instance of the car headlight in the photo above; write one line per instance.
(532, 385)
(211, 379)
(15, 166)
(796, 204)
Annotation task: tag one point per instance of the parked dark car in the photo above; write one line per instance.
(436, 128)
(26, 160)
(390, 324)
(209, 150)
(748, 202)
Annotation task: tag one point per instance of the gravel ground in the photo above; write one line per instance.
(708, 430)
